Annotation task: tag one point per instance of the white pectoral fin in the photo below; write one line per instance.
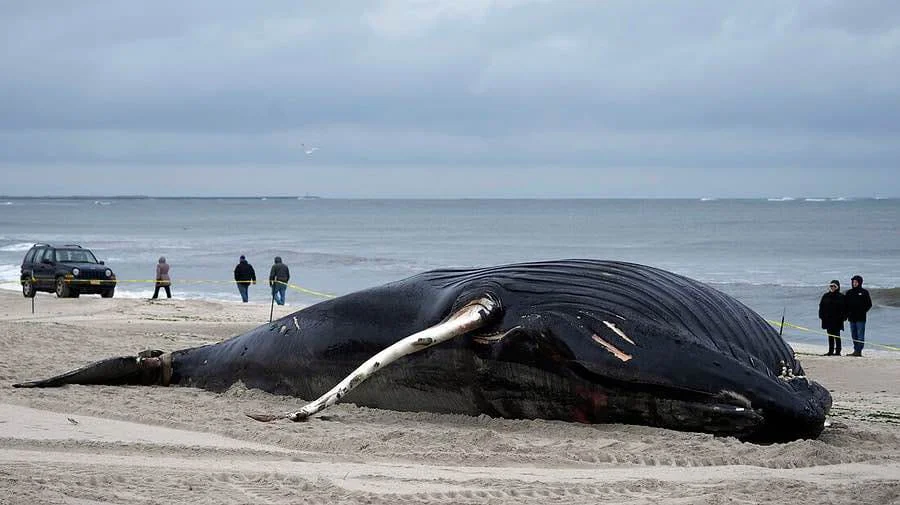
(472, 316)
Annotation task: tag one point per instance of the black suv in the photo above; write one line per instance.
(69, 270)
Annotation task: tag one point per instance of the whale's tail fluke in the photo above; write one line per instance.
(148, 367)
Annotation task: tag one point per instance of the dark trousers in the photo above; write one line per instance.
(834, 340)
(165, 286)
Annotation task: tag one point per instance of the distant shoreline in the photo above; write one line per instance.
(147, 197)
(799, 199)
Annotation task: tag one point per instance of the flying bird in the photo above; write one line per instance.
(309, 150)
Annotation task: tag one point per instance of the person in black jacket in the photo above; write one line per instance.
(833, 312)
(244, 275)
(279, 276)
(858, 303)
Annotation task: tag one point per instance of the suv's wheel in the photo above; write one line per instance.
(27, 288)
(108, 292)
(62, 289)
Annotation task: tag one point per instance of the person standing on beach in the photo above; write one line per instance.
(858, 303)
(162, 278)
(833, 312)
(279, 276)
(244, 275)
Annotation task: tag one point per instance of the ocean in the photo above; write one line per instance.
(775, 255)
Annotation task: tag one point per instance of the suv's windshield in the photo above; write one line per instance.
(75, 256)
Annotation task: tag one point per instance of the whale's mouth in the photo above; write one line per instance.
(716, 417)
(724, 413)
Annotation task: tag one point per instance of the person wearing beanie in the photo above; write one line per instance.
(279, 276)
(244, 275)
(833, 312)
(858, 302)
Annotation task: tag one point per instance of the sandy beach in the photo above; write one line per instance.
(142, 445)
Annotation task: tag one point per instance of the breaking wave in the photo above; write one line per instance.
(20, 247)
(888, 297)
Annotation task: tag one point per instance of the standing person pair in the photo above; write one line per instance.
(244, 275)
(279, 275)
(835, 308)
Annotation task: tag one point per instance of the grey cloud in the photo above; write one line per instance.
(453, 83)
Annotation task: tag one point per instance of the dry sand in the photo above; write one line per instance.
(137, 445)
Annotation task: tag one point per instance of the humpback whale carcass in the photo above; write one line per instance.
(574, 340)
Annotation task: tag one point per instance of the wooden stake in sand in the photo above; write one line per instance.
(272, 306)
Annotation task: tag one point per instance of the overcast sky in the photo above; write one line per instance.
(451, 98)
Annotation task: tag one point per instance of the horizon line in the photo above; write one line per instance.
(317, 197)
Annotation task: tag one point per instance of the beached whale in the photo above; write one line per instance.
(574, 340)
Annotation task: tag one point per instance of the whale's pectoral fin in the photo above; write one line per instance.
(474, 315)
(148, 367)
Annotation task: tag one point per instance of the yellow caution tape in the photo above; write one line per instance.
(777, 324)
(309, 291)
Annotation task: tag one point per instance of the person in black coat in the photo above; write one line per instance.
(833, 312)
(858, 303)
(279, 276)
(244, 275)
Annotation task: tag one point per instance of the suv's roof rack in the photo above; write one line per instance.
(40, 244)
(71, 245)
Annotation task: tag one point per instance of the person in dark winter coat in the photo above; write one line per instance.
(244, 275)
(858, 302)
(833, 312)
(279, 276)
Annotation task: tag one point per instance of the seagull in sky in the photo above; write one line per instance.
(309, 150)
